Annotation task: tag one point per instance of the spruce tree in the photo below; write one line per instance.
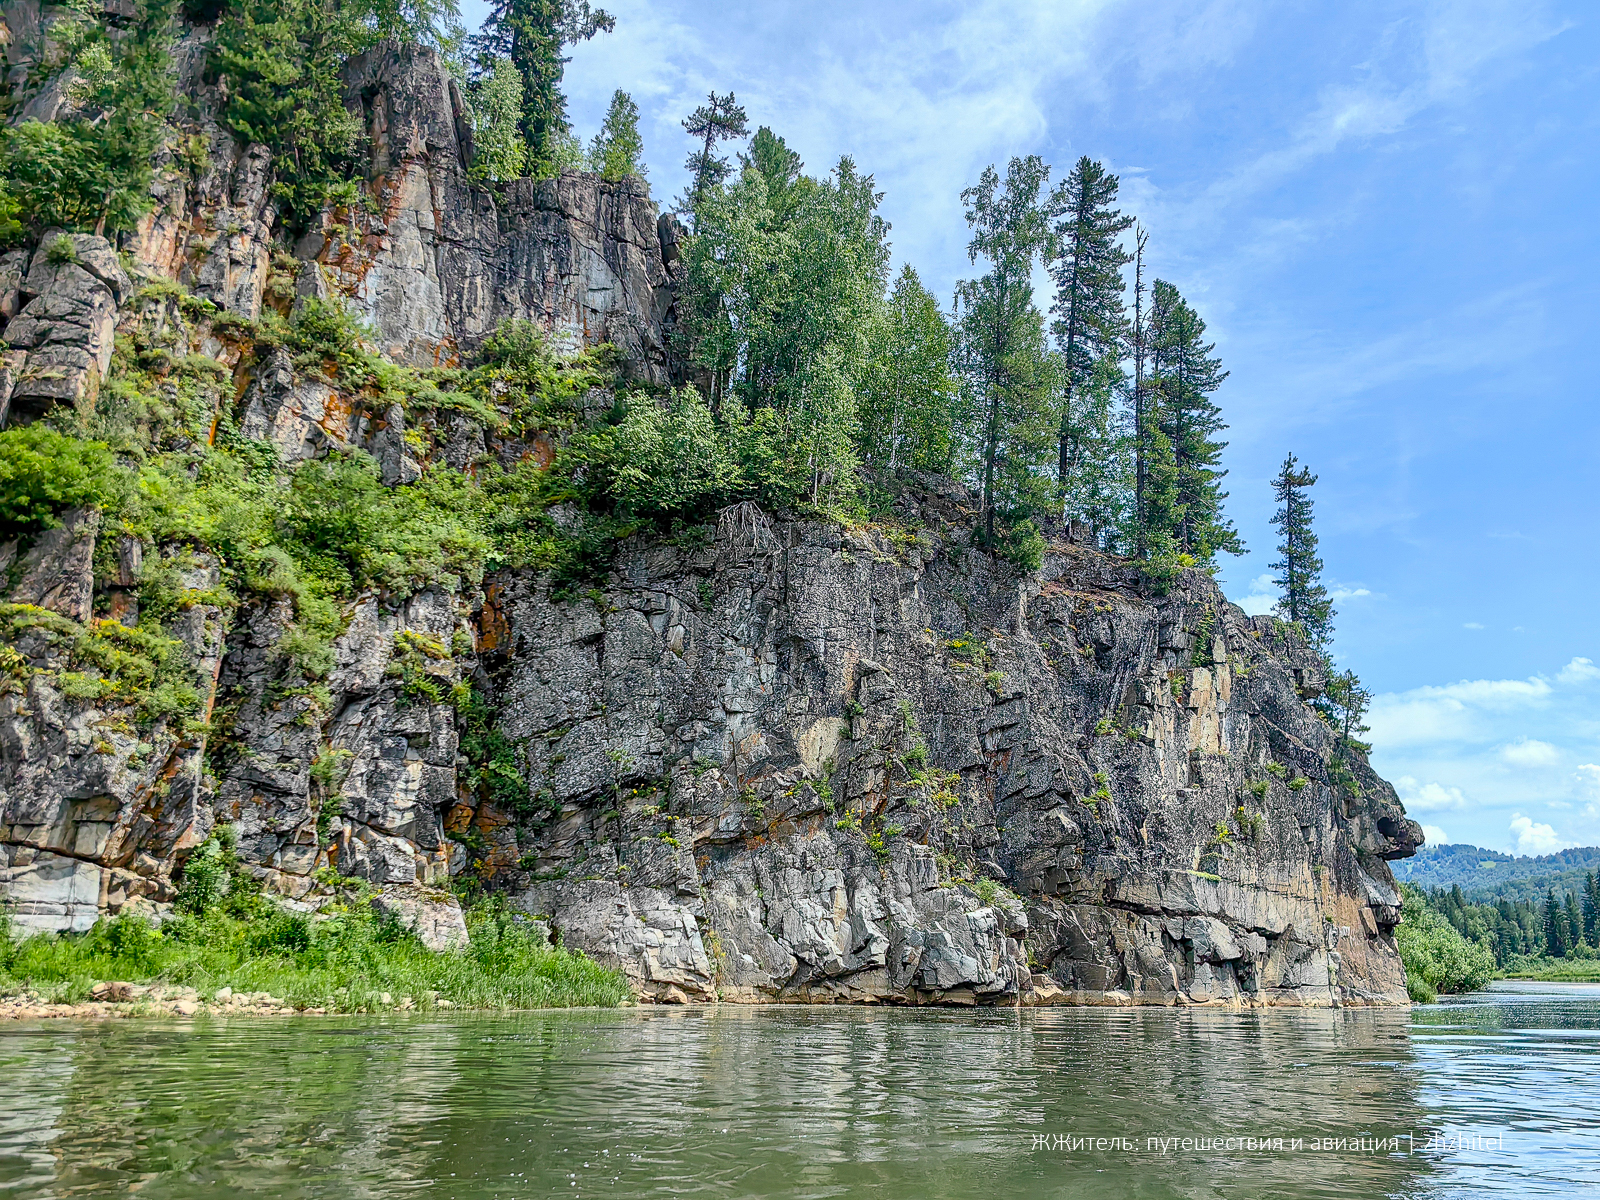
(1574, 921)
(532, 34)
(1009, 377)
(1591, 910)
(617, 150)
(1185, 374)
(720, 119)
(1088, 309)
(1556, 933)
(780, 167)
(1301, 597)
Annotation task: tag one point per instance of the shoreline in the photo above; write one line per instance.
(125, 1001)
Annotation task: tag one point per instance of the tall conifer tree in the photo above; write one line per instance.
(1574, 921)
(1185, 374)
(1088, 306)
(1302, 598)
(719, 119)
(617, 150)
(532, 34)
(1557, 935)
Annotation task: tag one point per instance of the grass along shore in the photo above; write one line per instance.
(246, 953)
(1545, 969)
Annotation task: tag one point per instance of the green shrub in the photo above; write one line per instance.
(43, 472)
(342, 960)
(1024, 546)
(208, 873)
(1436, 957)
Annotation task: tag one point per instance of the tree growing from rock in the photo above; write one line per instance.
(617, 150)
(92, 171)
(1302, 598)
(533, 34)
(500, 152)
(719, 119)
(1345, 702)
(1185, 374)
(1089, 325)
(1009, 374)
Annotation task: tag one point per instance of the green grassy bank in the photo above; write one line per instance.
(1545, 969)
(343, 961)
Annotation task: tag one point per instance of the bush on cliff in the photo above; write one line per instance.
(1436, 957)
(43, 472)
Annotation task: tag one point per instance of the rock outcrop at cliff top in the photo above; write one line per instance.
(801, 762)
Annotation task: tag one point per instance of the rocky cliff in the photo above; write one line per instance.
(777, 759)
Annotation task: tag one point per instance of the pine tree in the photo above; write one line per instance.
(532, 34)
(1184, 375)
(908, 394)
(1345, 702)
(1591, 910)
(1155, 504)
(617, 150)
(720, 119)
(1088, 309)
(1302, 599)
(1009, 377)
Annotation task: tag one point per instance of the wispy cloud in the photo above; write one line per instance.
(1469, 748)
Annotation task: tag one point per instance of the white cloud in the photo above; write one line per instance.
(1435, 835)
(1530, 752)
(1534, 838)
(1579, 670)
(1428, 797)
(1472, 625)
(1453, 712)
(1340, 594)
(1262, 597)
(1487, 748)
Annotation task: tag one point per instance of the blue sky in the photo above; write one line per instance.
(1385, 213)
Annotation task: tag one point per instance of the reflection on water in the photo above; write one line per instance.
(799, 1102)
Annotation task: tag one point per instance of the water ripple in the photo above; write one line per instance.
(812, 1102)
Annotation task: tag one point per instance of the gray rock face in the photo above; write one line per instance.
(441, 263)
(58, 572)
(801, 763)
(63, 337)
(910, 774)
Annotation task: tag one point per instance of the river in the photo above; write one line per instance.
(1491, 1094)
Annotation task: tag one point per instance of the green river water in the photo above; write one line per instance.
(1494, 1094)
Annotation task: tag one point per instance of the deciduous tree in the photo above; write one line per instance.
(1009, 375)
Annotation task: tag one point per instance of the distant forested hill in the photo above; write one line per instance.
(1489, 874)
